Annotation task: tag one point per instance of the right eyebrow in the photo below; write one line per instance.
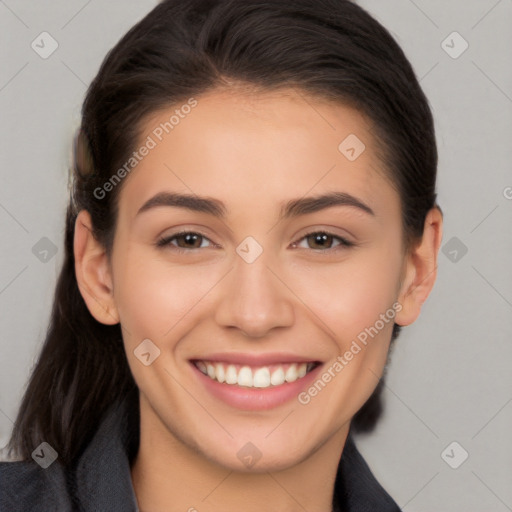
(190, 202)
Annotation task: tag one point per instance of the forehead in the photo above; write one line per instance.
(257, 150)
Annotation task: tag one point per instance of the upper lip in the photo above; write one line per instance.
(255, 359)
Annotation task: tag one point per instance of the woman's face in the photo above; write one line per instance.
(264, 279)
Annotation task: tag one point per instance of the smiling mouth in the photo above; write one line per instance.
(254, 376)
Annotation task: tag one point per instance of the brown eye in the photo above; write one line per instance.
(321, 240)
(185, 240)
(189, 240)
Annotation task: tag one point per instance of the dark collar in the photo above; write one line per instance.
(102, 480)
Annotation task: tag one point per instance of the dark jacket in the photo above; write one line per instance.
(101, 479)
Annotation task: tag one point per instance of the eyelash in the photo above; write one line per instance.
(166, 241)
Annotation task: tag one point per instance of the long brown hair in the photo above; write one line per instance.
(330, 48)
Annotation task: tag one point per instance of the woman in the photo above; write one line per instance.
(253, 218)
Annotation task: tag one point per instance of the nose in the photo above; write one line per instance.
(255, 298)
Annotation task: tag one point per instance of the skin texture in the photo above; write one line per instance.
(253, 152)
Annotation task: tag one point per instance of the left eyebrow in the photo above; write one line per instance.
(306, 205)
(293, 208)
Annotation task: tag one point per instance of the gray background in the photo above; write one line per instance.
(450, 377)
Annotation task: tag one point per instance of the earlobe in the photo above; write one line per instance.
(93, 273)
(420, 270)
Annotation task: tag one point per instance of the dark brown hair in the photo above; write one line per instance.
(328, 48)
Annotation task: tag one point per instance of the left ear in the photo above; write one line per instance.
(420, 269)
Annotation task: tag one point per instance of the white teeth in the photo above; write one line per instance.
(257, 377)
(202, 367)
(219, 372)
(245, 376)
(277, 377)
(291, 373)
(261, 378)
(231, 375)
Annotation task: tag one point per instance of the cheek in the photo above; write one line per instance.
(350, 296)
(153, 296)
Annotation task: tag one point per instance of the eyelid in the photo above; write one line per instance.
(330, 230)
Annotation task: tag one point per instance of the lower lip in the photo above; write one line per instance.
(256, 399)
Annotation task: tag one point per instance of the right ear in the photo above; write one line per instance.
(93, 272)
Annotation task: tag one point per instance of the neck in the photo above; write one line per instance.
(168, 474)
